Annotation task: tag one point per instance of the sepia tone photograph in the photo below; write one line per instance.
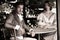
(29, 20)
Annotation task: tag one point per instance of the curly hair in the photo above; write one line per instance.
(49, 4)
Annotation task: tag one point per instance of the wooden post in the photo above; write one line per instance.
(14, 34)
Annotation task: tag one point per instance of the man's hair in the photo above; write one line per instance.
(49, 4)
(18, 3)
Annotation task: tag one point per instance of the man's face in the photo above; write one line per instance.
(20, 9)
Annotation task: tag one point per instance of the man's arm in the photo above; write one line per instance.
(26, 26)
(30, 30)
(8, 22)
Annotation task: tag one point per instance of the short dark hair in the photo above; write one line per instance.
(49, 4)
(18, 3)
(15, 7)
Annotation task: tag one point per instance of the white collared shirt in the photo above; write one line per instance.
(20, 17)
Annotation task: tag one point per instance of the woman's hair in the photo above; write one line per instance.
(49, 4)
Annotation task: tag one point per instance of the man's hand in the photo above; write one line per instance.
(32, 32)
(17, 27)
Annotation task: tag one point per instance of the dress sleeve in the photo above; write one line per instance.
(55, 18)
(41, 19)
(55, 21)
(54, 24)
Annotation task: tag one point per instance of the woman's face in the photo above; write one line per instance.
(20, 9)
(47, 6)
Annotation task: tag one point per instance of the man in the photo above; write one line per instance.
(15, 20)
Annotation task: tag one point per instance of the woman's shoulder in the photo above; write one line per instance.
(53, 13)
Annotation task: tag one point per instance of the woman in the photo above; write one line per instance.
(47, 19)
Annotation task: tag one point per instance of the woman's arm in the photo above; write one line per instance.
(41, 23)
